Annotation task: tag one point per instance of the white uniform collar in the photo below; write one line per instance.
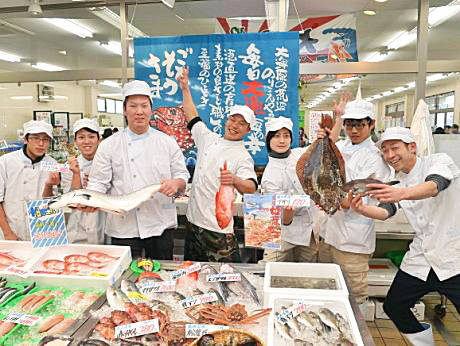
(134, 136)
(401, 175)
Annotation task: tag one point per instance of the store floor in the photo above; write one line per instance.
(446, 331)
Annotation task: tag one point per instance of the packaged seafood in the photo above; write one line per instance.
(304, 278)
(312, 320)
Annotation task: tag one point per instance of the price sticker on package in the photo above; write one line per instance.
(131, 330)
(194, 331)
(21, 318)
(185, 271)
(287, 314)
(200, 299)
(223, 277)
(12, 269)
(150, 286)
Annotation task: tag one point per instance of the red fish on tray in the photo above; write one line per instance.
(77, 264)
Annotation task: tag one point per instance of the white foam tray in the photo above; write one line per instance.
(335, 304)
(380, 279)
(22, 250)
(308, 270)
(113, 269)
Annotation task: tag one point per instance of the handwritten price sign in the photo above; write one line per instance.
(223, 277)
(20, 318)
(292, 201)
(131, 330)
(194, 331)
(12, 269)
(287, 314)
(196, 300)
(182, 272)
(54, 167)
(149, 286)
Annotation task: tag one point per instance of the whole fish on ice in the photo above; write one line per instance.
(118, 205)
(224, 203)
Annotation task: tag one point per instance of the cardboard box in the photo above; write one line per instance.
(418, 310)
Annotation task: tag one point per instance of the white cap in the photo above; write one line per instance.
(395, 134)
(275, 124)
(246, 112)
(136, 87)
(36, 126)
(85, 122)
(359, 109)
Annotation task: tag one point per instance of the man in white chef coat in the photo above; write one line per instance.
(207, 241)
(132, 159)
(351, 235)
(22, 179)
(429, 193)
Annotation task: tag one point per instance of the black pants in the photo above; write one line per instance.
(159, 248)
(407, 289)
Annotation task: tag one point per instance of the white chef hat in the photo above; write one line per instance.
(359, 109)
(246, 112)
(274, 124)
(396, 133)
(136, 87)
(38, 126)
(85, 122)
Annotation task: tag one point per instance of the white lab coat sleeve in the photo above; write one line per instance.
(199, 133)
(372, 165)
(178, 167)
(3, 178)
(100, 175)
(443, 165)
(245, 169)
(66, 181)
(269, 182)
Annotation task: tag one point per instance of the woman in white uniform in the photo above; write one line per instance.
(83, 227)
(299, 243)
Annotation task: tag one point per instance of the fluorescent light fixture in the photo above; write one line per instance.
(378, 96)
(47, 67)
(112, 18)
(435, 77)
(338, 85)
(169, 3)
(9, 57)
(368, 99)
(438, 15)
(374, 0)
(71, 26)
(370, 12)
(63, 52)
(115, 47)
(111, 83)
(399, 89)
(331, 90)
(179, 17)
(402, 39)
(62, 97)
(21, 97)
(411, 85)
(387, 93)
(110, 95)
(376, 57)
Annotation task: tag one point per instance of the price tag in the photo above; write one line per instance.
(184, 271)
(291, 312)
(200, 299)
(98, 274)
(137, 297)
(194, 331)
(150, 286)
(12, 269)
(54, 167)
(223, 277)
(292, 201)
(21, 318)
(271, 246)
(131, 330)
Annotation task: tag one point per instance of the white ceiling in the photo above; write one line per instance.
(155, 19)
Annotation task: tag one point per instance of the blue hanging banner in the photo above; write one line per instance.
(46, 226)
(259, 70)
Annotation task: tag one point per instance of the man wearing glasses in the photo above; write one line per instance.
(352, 235)
(21, 179)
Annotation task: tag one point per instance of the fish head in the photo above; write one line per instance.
(61, 201)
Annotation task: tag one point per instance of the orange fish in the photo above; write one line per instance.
(224, 203)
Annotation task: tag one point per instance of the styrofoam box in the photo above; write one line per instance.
(381, 274)
(304, 270)
(113, 270)
(368, 310)
(418, 310)
(22, 250)
(339, 305)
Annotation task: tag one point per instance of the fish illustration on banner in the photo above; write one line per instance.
(257, 70)
(47, 227)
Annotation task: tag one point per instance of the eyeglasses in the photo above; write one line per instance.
(39, 139)
(356, 124)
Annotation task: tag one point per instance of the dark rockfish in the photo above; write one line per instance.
(321, 171)
(359, 186)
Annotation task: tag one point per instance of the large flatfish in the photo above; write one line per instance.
(321, 171)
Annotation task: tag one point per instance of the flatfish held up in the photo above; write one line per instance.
(321, 171)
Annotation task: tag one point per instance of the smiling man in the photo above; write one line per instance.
(21, 179)
(207, 241)
(350, 234)
(132, 159)
(429, 193)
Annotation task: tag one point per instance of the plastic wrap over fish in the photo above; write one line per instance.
(321, 171)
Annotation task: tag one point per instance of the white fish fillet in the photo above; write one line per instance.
(117, 205)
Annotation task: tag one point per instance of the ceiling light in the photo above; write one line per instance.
(110, 83)
(378, 96)
(376, 57)
(399, 89)
(169, 3)
(35, 8)
(411, 85)
(387, 93)
(112, 18)
(435, 77)
(115, 47)
(179, 17)
(370, 12)
(368, 99)
(70, 26)
(9, 57)
(111, 95)
(338, 85)
(21, 97)
(47, 67)
(402, 39)
(63, 52)
(440, 14)
(374, 0)
(331, 90)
